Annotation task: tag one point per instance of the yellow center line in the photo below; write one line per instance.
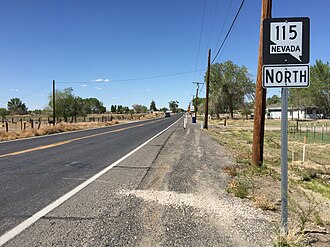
(72, 140)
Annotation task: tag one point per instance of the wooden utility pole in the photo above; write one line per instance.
(54, 108)
(196, 99)
(260, 104)
(206, 116)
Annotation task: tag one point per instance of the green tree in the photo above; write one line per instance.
(200, 104)
(125, 109)
(67, 105)
(93, 106)
(164, 109)
(119, 109)
(274, 100)
(40, 112)
(173, 105)
(113, 108)
(139, 108)
(230, 87)
(3, 112)
(318, 93)
(16, 106)
(153, 106)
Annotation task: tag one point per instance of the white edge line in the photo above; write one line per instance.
(28, 222)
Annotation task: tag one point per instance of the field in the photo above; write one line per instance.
(309, 176)
(29, 126)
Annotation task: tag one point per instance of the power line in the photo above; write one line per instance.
(223, 25)
(212, 26)
(26, 95)
(132, 79)
(231, 26)
(200, 37)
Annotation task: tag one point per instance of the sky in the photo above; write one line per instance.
(122, 51)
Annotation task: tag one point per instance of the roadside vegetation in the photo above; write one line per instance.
(309, 187)
(31, 126)
(71, 113)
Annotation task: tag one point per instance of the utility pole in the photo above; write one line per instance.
(54, 108)
(196, 101)
(260, 104)
(206, 116)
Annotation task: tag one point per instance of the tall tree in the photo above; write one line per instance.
(16, 106)
(119, 109)
(153, 106)
(230, 87)
(94, 106)
(69, 105)
(318, 93)
(173, 105)
(113, 108)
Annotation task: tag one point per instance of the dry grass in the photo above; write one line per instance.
(263, 202)
(294, 238)
(262, 184)
(14, 134)
(231, 170)
(47, 130)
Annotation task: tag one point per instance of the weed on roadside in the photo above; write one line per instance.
(261, 201)
(240, 186)
(293, 239)
(308, 212)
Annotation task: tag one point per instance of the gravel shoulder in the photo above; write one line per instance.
(172, 192)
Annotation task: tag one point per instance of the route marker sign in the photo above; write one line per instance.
(289, 76)
(285, 57)
(286, 40)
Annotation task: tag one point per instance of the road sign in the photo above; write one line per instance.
(286, 76)
(286, 40)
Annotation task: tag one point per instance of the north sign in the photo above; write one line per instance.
(285, 76)
(286, 40)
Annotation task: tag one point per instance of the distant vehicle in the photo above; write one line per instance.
(167, 113)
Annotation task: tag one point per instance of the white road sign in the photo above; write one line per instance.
(285, 76)
(287, 38)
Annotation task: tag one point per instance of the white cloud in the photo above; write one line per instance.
(114, 97)
(14, 90)
(84, 85)
(101, 80)
(98, 88)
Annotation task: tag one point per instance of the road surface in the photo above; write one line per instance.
(35, 172)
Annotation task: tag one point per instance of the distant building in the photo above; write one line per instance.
(274, 112)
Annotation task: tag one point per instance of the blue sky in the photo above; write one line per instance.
(84, 41)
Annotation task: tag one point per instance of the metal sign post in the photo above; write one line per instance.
(284, 160)
(285, 58)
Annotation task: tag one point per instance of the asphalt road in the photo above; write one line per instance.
(170, 192)
(35, 172)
